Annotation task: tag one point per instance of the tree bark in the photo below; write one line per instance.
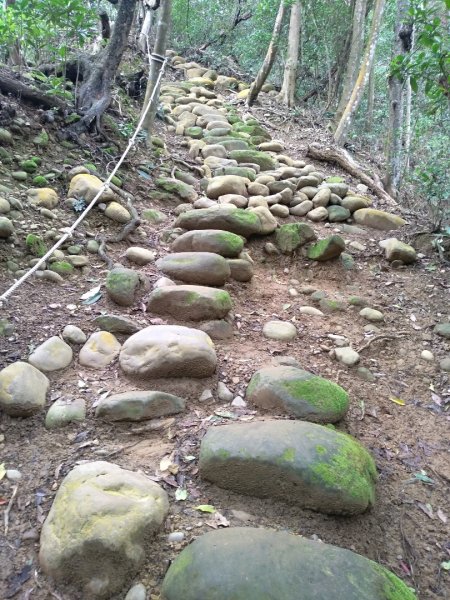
(407, 143)
(9, 84)
(396, 106)
(358, 89)
(145, 30)
(354, 56)
(95, 92)
(269, 59)
(344, 160)
(287, 94)
(370, 99)
(155, 67)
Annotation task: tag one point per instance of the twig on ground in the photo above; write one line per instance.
(383, 336)
(8, 509)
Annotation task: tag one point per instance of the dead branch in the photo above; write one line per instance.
(332, 154)
(8, 509)
(382, 337)
(10, 84)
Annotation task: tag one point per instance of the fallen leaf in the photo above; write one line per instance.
(398, 401)
(441, 515)
(181, 494)
(207, 508)
(91, 293)
(427, 509)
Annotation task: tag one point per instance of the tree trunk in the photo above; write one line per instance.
(269, 59)
(287, 94)
(396, 90)
(407, 144)
(358, 89)
(95, 92)
(145, 30)
(354, 56)
(155, 67)
(370, 99)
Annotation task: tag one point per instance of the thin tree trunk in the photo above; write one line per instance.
(358, 89)
(269, 59)
(407, 143)
(370, 99)
(155, 67)
(95, 92)
(145, 30)
(396, 105)
(287, 94)
(354, 56)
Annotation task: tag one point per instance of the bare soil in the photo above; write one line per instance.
(401, 417)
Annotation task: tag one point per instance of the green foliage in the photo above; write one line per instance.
(428, 64)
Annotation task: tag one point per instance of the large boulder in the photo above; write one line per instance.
(22, 389)
(87, 186)
(190, 302)
(298, 393)
(204, 268)
(293, 235)
(168, 351)
(397, 250)
(227, 184)
(52, 355)
(174, 186)
(245, 563)
(378, 219)
(226, 217)
(209, 240)
(294, 461)
(96, 531)
(138, 406)
(121, 285)
(43, 197)
(330, 247)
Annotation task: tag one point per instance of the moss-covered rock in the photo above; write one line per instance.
(41, 139)
(378, 219)
(293, 235)
(40, 181)
(154, 216)
(226, 217)
(28, 165)
(330, 247)
(298, 462)
(121, 285)
(264, 160)
(62, 267)
(179, 188)
(244, 563)
(220, 242)
(298, 393)
(194, 132)
(35, 245)
(190, 302)
(246, 172)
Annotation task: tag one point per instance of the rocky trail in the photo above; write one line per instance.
(243, 394)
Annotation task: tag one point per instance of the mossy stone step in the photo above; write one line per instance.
(190, 302)
(226, 217)
(298, 393)
(245, 563)
(327, 249)
(303, 463)
(221, 242)
(203, 268)
(264, 160)
(293, 235)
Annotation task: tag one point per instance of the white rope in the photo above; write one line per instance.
(102, 189)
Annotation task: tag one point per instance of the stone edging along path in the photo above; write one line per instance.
(94, 535)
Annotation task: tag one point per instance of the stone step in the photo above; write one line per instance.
(204, 268)
(218, 241)
(246, 563)
(302, 463)
(190, 302)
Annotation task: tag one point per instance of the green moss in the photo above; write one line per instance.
(62, 267)
(233, 241)
(394, 588)
(191, 297)
(245, 217)
(264, 160)
(180, 564)
(319, 392)
(117, 181)
(42, 139)
(334, 179)
(40, 181)
(327, 248)
(349, 468)
(288, 455)
(194, 132)
(153, 215)
(36, 245)
(223, 299)
(90, 167)
(157, 142)
(321, 449)
(28, 165)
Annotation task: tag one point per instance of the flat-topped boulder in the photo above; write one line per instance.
(378, 219)
(96, 531)
(264, 160)
(226, 217)
(218, 241)
(294, 461)
(168, 351)
(204, 268)
(298, 393)
(138, 406)
(246, 563)
(190, 302)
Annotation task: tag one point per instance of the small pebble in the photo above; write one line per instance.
(427, 355)
(175, 537)
(13, 474)
(239, 402)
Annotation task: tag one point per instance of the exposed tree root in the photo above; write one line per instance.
(343, 159)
